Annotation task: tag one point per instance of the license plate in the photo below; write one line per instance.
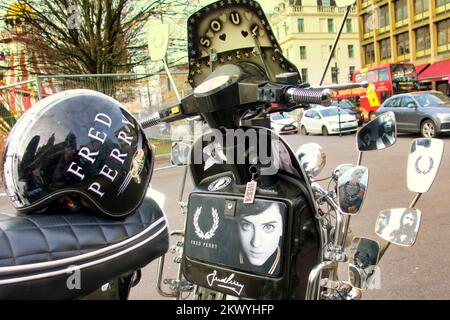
(289, 128)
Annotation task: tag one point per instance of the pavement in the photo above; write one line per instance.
(419, 272)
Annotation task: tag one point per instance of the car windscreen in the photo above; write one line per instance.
(331, 112)
(279, 116)
(432, 99)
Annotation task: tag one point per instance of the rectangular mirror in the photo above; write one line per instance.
(352, 187)
(158, 40)
(179, 155)
(423, 163)
(378, 134)
(399, 226)
(364, 256)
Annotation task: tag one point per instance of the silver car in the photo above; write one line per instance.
(424, 112)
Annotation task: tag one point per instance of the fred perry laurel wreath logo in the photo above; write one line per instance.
(137, 164)
(211, 232)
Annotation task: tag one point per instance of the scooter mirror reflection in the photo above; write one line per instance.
(364, 255)
(180, 153)
(378, 134)
(352, 187)
(399, 226)
(312, 158)
(345, 3)
(158, 40)
(423, 163)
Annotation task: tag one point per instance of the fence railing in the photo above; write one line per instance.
(140, 93)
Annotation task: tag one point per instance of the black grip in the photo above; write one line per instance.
(306, 96)
(150, 121)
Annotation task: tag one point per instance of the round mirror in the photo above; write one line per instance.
(312, 158)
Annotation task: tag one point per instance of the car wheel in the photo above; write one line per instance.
(428, 129)
(324, 131)
(372, 116)
(303, 131)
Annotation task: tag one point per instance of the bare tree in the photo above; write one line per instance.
(90, 36)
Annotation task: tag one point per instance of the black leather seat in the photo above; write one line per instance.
(40, 252)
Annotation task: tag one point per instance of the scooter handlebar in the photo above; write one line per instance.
(295, 95)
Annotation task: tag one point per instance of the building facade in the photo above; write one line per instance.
(306, 30)
(416, 31)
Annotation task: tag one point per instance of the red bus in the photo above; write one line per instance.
(384, 81)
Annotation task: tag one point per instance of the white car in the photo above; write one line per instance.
(325, 120)
(283, 123)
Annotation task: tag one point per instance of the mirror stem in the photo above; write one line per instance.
(172, 82)
(359, 158)
(383, 251)
(416, 198)
(336, 40)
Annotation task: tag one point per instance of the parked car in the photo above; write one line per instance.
(283, 123)
(325, 120)
(424, 112)
(351, 108)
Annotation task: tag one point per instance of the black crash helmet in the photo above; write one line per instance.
(77, 146)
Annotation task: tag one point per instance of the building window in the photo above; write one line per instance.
(351, 69)
(334, 74)
(384, 16)
(301, 25)
(349, 25)
(351, 51)
(385, 49)
(423, 38)
(286, 28)
(368, 25)
(304, 72)
(402, 43)
(369, 53)
(420, 6)
(401, 10)
(443, 30)
(334, 53)
(302, 53)
(330, 22)
(440, 2)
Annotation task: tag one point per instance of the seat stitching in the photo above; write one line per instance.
(10, 246)
(43, 234)
(74, 233)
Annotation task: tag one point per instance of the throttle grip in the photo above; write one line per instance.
(304, 96)
(150, 121)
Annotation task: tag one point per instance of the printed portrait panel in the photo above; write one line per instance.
(226, 232)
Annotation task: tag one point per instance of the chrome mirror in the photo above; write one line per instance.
(180, 153)
(344, 3)
(423, 163)
(312, 158)
(378, 134)
(364, 256)
(352, 187)
(399, 226)
(158, 40)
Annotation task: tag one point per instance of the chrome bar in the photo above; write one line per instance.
(312, 288)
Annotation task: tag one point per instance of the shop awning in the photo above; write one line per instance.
(439, 70)
(421, 67)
